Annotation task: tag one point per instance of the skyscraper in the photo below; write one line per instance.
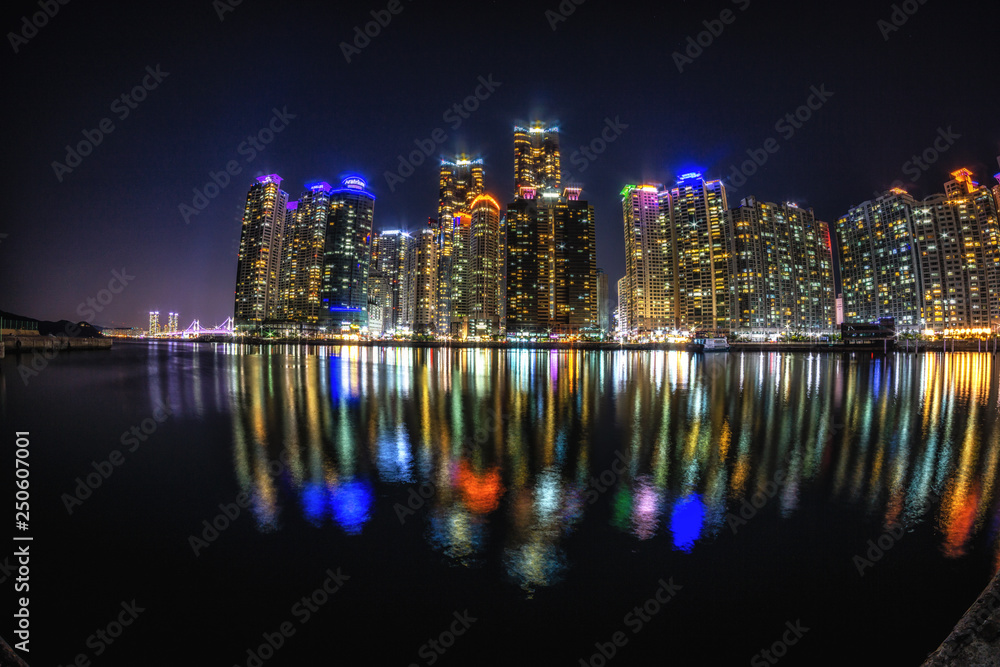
(621, 313)
(649, 261)
(574, 274)
(781, 269)
(386, 278)
(603, 304)
(460, 280)
(958, 243)
(996, 189)
(483, 271)
(461, 181)
(172, 322)
(421, 283)
(154, 322)
(551, 264)
(259, 265)
(347, 255)
(879, 262)
(536, 158)
(698, 230)
(302, 253)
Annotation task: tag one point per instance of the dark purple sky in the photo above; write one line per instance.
(119, 207)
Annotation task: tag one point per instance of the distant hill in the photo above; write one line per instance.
(60, 328)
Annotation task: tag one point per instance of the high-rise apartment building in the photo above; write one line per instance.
(996, 189)
(387, 300)
(603, 304)
(551, 265)
(347, 255)
(461, 181)
(701, 252)
(482, 271)
(460, 281)
(879, 271)
(154, 322)
(172, 322)
(420, 283)
(781, 270)
(958, 242)
(649, 261)
(302, 254)
(621, 313)
(259, 265)
(536, 159)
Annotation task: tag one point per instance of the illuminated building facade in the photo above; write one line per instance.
(172, 324)
(347, 256)
(461, 181)
(958, 241)
(259, 265)
(621, 313)
(649, 261)
(536, 159)
(551, 265)
(154, 322)
(603, 304)
(420, 283)
(701, 251)
(461, 241)
(781, 270)
(483, 269)
(879, 262)
(386, 310)
(302, 254)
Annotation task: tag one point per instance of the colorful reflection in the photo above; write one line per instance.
(516, 450)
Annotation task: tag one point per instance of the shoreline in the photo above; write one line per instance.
(975, 640)
(866, 348)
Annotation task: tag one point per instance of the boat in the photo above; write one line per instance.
(712, 344)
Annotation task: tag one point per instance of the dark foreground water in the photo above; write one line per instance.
(515, 508)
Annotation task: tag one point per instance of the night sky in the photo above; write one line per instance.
(893, 94)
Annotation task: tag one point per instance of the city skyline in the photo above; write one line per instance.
(855, 138)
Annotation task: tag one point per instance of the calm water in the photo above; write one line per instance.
(545, 493)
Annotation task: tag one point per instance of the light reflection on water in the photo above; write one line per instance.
(521, 447)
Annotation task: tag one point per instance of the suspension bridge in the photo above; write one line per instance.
(195, 330)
